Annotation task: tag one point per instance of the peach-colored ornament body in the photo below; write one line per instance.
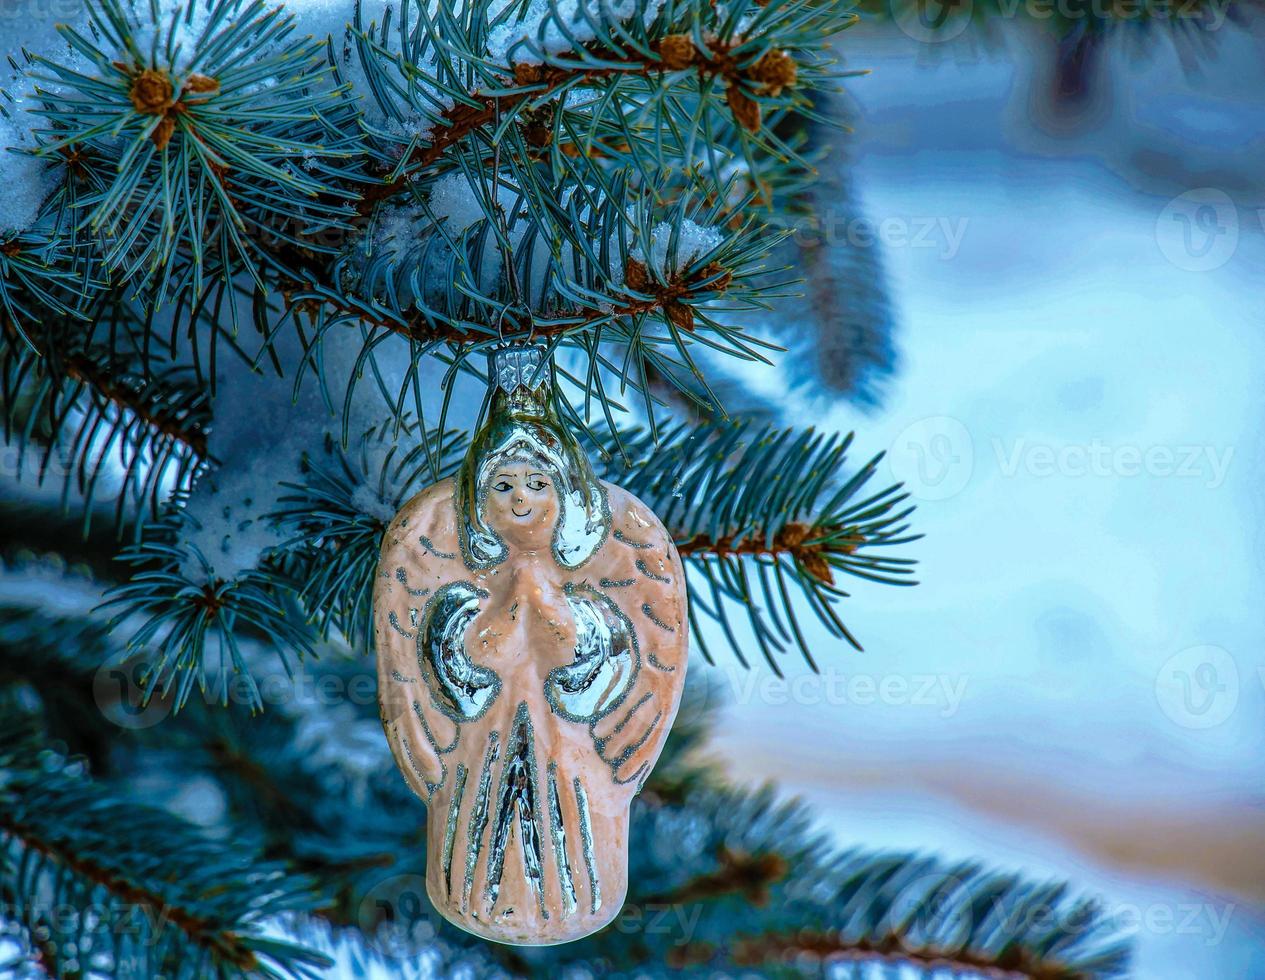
(532, 639)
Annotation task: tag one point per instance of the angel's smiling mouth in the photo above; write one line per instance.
(525, 513)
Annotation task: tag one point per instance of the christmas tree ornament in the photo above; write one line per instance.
(531, 634)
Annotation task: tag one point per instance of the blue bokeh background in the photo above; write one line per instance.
(1077, 686)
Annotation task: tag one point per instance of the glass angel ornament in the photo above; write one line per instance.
(531, 632)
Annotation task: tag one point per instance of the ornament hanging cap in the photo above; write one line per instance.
(522, 424)
(517, 365)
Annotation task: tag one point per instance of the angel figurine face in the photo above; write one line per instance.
(531, 636)
(521, 504)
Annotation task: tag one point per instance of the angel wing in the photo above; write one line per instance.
(427, 685)
(631, 647)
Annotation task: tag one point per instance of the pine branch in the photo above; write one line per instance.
(672, 300)
(193, 159)
(192, 623)
(755, 510)
(107, 412)
(158, 146)
(518, 86)
(172, 899)
(155, 414)
(769, 893)
(38, 278)
(891, 952)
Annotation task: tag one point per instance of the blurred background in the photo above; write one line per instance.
(1071, 237)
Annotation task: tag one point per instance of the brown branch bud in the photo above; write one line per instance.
(679, 314)
(677, 51)
(151, 92)
(746, 110)
(529, 74)
(636, 276)
(162, 133)
(774, 72)
(201, 84)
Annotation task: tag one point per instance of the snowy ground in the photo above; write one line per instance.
(1077, 688)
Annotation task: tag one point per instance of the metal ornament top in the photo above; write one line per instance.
(517, 366)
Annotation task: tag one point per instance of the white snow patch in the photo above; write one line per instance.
(367, 501)
(694, 240)
(261, 435)
(518, 41)
(452, 198)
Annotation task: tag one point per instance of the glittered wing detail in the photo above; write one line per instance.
(606, 660)
(639, 603)
(411, 604)
(461, 689)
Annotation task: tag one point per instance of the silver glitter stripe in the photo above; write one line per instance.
(408, 754)
(641, 567)
(450, 832)
(638, 777)
(558, 831)
(430, 735)
(611, 583)
(479, 819)
(620, 536)
(653, 662)
(632, 711)
(631, 750)
(401, 576)
(395, 625)
(586, 838)
(429, 545)
(649, 614)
